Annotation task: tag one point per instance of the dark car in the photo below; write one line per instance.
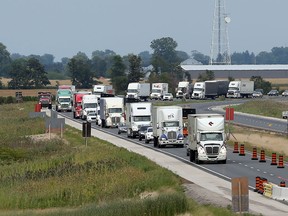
(273, 93)
(142, 131)
(122, 128)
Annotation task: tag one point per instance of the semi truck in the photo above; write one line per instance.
(111, 111)
(63, 100)
(240, 89)
(210, 89)
(103, 90)
(206, 138)
(45, 99)
(137, 114)
(184, 90)
(167, 126)
(138, 91)
(77, 103)
(158, 90)
(89, 104)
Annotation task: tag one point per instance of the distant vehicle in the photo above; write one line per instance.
(240, 89)
(122, 128)
(149, 135)
(184, 90)
(257, 94)
(285, 93)
(45, 99)
(158, 90)
(138, 91)
(168, 96)
(273, 93)
(91, 116)
(285, 114)
(260, 90)
(142, 131)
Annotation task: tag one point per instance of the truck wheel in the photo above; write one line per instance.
(155, 142)
(140, 138)
(197, 161)
(146, 141)
(192, 156)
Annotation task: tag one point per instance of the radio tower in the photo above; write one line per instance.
(220, 52)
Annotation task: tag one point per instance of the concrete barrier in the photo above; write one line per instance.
(279, 193)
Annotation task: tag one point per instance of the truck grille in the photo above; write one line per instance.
(115, 120)
(212, 150)
(130, 96)
(172, 135)
(64, 105)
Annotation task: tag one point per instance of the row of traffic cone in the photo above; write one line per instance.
(259, 185)
(262, 155)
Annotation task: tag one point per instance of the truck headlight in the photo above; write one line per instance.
(223, 150)
(163, 137)
(180, 137)
(201, 150)
(134, 127)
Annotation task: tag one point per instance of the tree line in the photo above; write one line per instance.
(163, 64)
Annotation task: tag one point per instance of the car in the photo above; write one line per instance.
(149, 135)
(257, 94)
(168, 96)
(285, 93)
(273, 93)
(142, 130)
(91, 117)
(122, 128)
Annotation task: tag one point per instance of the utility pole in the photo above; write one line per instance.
(219, 50)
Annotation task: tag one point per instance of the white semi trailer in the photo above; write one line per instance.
(89, 104)
(240, 89)
(206, 138)
(158, 90)
(167, 126)
(111, 111)
(137, 115)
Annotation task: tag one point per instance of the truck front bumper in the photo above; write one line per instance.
(204, 157)
(171, 142)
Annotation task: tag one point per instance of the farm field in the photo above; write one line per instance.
(34, 92)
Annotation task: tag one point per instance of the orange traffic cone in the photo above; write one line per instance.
(242, 150)
(236, 148)
(257, 183)
(280, 162)
(254, 154)
(262, 156)
(282, 184)
(274, 159)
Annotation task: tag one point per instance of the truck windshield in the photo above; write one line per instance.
(132, 90)
(171, 124)
(233, 88)
(141, 118)
(90, 105)
(115, 110)
(211, 136)
(156, 91)
(197, 89)
(64, 100)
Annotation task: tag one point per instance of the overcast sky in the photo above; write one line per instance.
(65, 27)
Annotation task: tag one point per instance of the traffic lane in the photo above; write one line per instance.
(244, 166)
(261, 123)
(236, 166)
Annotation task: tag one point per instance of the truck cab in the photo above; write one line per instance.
(137, 115)
(199, 90)
(167, 124)
(206, 138)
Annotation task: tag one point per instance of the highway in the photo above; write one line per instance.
(237, 166)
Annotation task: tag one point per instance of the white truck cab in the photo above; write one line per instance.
(137, 115)
(167, 124)
(206, 138)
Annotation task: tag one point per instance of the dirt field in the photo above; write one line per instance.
(34, 92)
(271, 141)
